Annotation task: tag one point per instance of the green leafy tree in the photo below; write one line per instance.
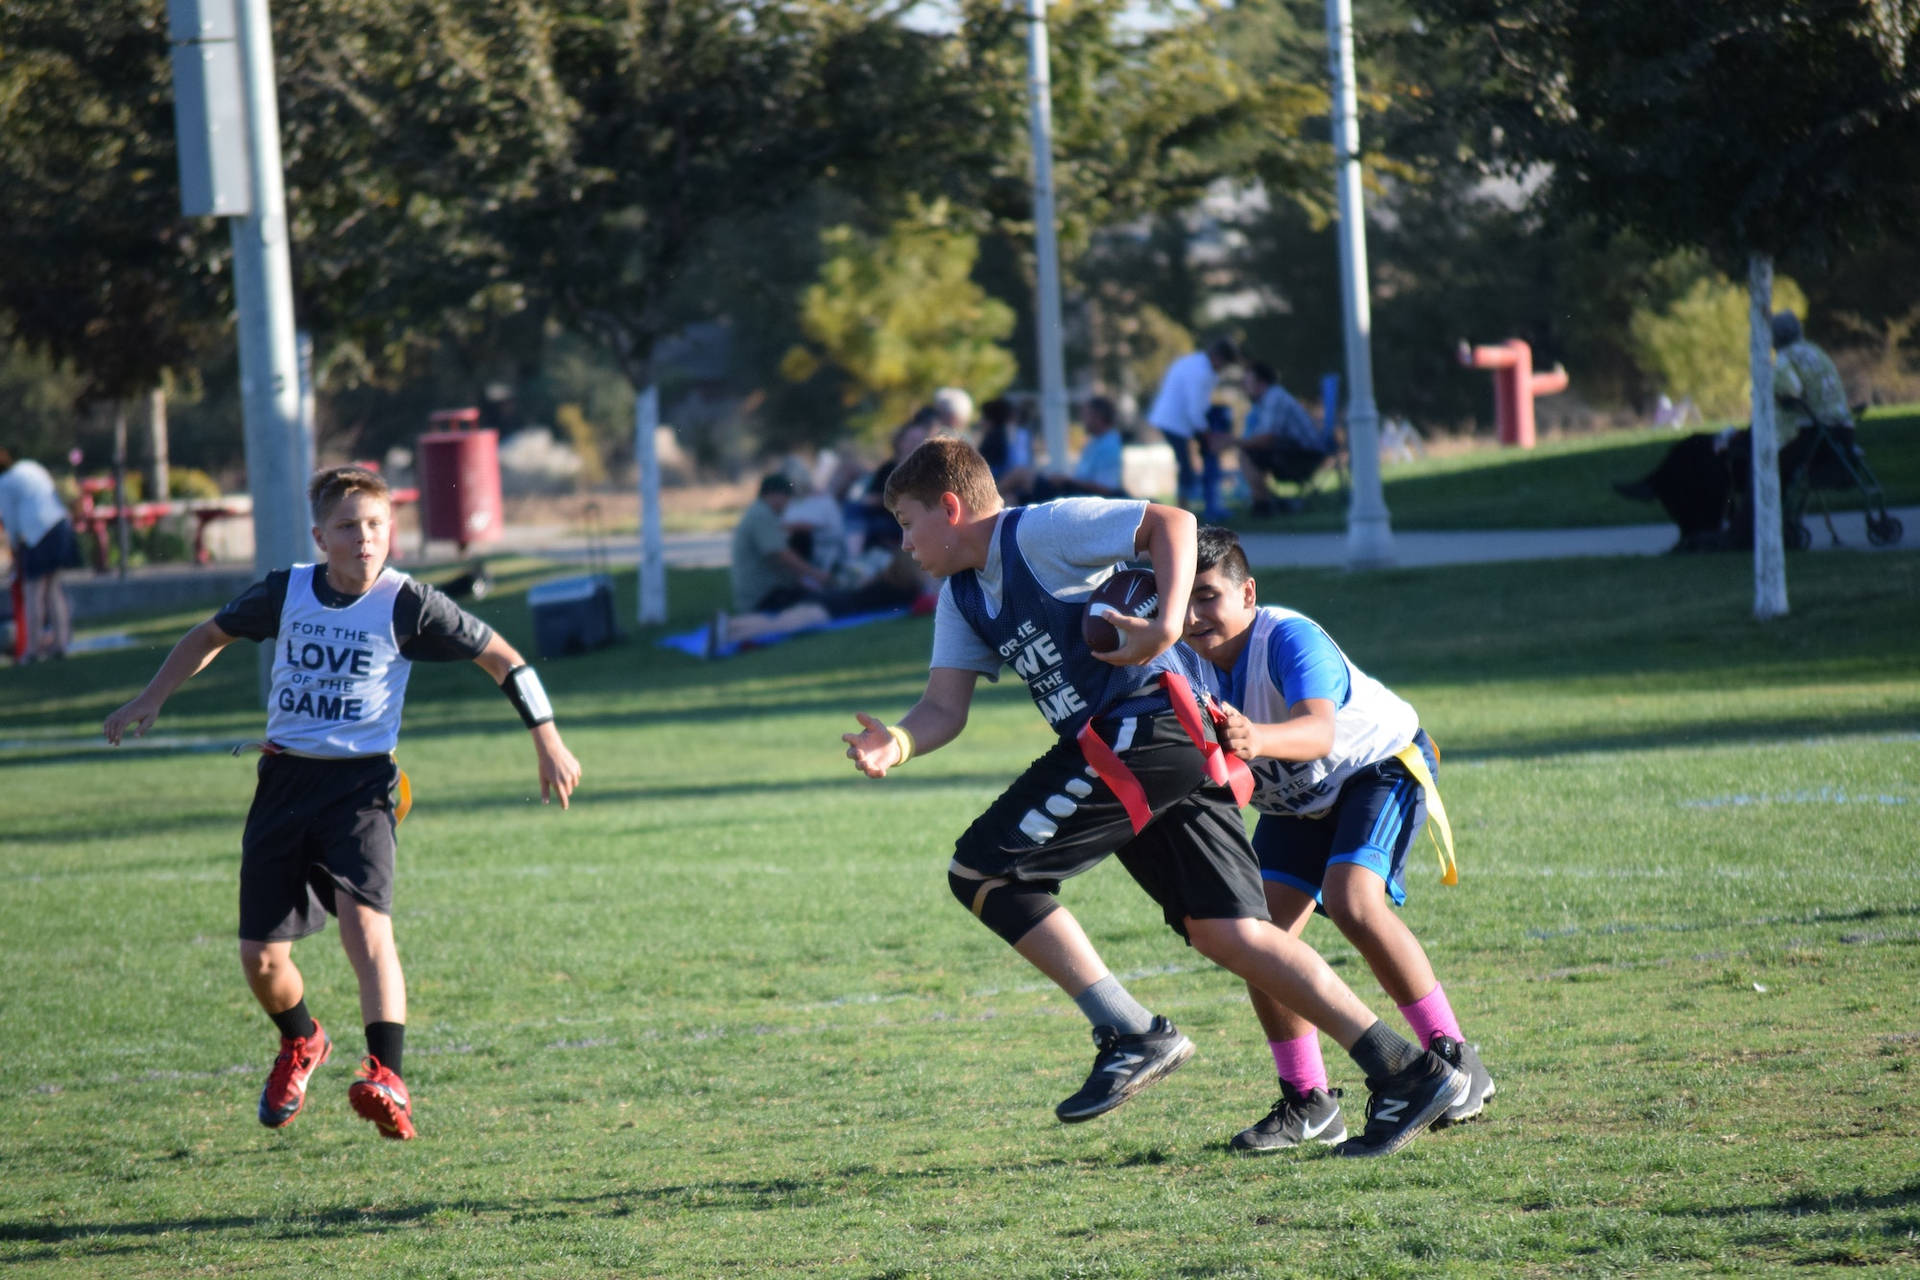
(1749, 130)
(98, 268)
(1695, 347)
(899, 316)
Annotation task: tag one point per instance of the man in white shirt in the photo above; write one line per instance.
(43, 544)
(1179, 413)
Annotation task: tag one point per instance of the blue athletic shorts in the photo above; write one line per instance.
(55, 551)
(1380, 811)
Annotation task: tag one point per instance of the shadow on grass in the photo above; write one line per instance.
(732, 1195)
(1681, 623)
(721, 1194)
(1700, 734)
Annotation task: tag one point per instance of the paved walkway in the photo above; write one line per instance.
(1309, 550)
(181, 586)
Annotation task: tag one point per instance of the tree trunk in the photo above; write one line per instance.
(157, 479)
(653, 564)
(1769, 557)
(122, 530)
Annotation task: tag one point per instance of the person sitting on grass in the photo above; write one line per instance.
(1343, 779)
(1134, 771)
(1097, 473)
(319, 838)
(778, 588)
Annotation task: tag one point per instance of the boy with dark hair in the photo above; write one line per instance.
(1135, 772)
(320, 836)
(1344, 784)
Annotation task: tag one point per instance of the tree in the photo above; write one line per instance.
(100, 268)
(900, 317)
(1750, 130)
(1692, 346)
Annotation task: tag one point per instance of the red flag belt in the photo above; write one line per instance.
(1223, 767)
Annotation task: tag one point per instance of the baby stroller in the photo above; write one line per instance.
(1823, 459)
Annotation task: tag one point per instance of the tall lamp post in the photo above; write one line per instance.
(1053, 379)
(1369, 531)
(228, 126)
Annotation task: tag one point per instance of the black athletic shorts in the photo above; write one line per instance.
(316, 826)
(1059, 819)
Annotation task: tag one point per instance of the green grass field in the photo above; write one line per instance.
(723, 1018)
(1567, 483)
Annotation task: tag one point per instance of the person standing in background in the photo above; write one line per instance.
(1179, 413)
(43, 545)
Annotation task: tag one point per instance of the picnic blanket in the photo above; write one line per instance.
(694, 642)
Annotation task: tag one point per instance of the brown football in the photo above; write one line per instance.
(1130, 591)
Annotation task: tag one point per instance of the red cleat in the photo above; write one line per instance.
(286, 1090)
(379, 1095)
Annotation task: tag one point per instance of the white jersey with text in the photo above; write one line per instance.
(338, 677)
(1371, 726)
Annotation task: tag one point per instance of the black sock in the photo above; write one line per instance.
(1380, 1053)
(386, 1041)
(296, 1022)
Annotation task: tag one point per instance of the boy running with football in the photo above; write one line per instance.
(319, 837)
(1344, 781)
(1135, 772)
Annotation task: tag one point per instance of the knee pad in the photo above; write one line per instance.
(1010, 910)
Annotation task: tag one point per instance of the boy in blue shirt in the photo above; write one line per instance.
(1343, 779)
(1135, 771)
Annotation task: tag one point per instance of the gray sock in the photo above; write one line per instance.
(1108, 1004)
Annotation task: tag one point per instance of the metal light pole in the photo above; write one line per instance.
(652, 604)
(228, 126)
(1053, 378)
(263, 293)
(1369, 531)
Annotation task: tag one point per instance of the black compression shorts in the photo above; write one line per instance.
(1059, 819)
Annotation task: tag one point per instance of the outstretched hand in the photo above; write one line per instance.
(872, 750)
(559, 771)
(137, 715)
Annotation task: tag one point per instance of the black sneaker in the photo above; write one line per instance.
(1123, 1066)
(1297, 1119)
(1464, 1057)
(1401, 1105)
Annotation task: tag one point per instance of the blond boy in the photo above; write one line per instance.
(319, 837)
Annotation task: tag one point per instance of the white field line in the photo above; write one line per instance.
(1820, 795)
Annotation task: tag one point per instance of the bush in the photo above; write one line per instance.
(1697, 346)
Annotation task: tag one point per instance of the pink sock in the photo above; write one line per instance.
(1299, 1061)
(1431, 1015)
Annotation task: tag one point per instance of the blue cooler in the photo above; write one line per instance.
(572, 615)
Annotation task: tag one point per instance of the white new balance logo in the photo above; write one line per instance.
(1123, 1064)
(1389, 1109)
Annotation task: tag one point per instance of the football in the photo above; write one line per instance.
(1130, 591)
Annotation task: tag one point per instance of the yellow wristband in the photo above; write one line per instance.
(903, 740)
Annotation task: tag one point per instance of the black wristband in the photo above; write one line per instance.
(523, 689)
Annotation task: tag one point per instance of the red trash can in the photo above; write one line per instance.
(458, 465)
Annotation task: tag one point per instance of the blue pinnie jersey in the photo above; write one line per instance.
(1038, 635)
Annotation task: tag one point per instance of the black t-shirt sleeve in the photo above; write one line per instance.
(254, 614)
(432, 628)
